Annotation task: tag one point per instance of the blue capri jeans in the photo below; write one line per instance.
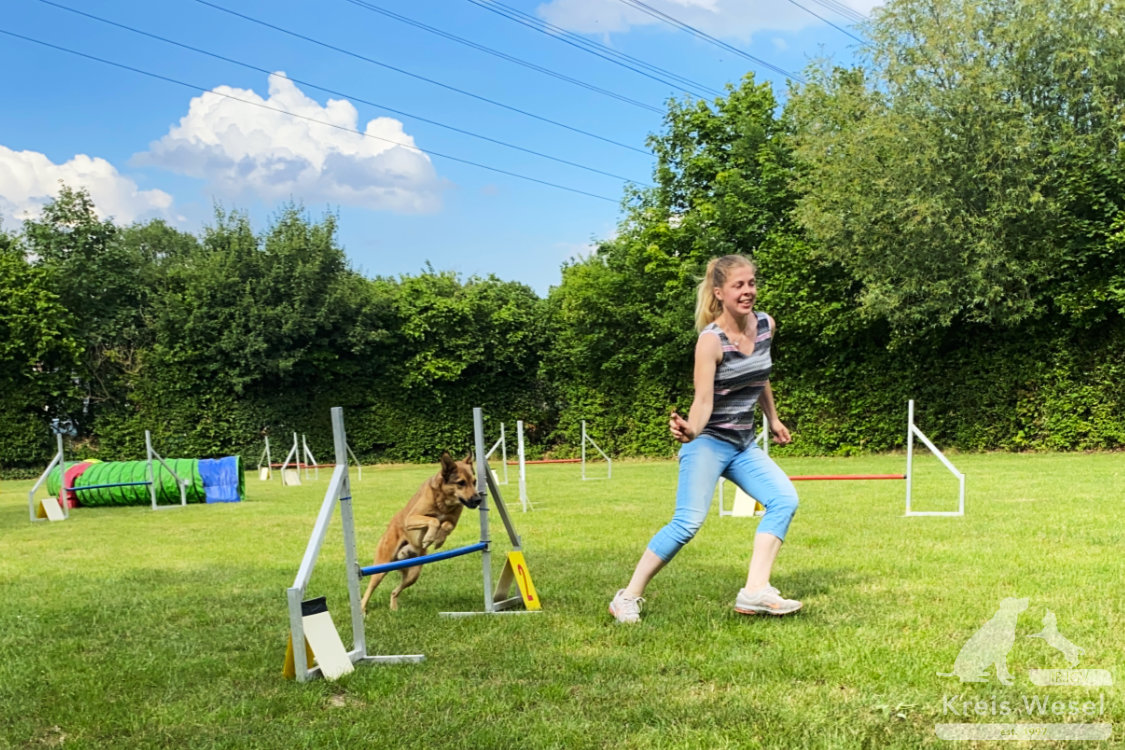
(702, 462)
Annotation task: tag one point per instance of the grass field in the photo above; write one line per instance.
(133, 629)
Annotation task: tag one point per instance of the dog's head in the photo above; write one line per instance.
(1012, 604)
(459, 480)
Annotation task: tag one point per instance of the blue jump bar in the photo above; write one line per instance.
(100, 486)
(411, 562)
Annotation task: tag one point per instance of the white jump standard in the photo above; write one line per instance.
(911, 433)
(608, 461)
(746, 506)
(309, 621)
(502, 444)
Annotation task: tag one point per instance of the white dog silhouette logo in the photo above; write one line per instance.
(990, 645)
(1050, 633)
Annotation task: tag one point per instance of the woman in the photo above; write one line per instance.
(732, 367)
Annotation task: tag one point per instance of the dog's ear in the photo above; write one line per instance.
(468, 459)
(447, 465)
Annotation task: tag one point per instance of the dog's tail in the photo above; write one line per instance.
(376, 579)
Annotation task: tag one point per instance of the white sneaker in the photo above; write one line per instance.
(766, 601)
(626, 608)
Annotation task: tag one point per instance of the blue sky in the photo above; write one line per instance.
(147, 147)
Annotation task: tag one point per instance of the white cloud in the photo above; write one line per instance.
(730, 19)
(28, 180)
(239, 148)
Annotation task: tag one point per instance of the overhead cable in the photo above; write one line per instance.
(822, 18)
(666, 77)
(416, 76)
(335, 92)
(851, 14)
(699, 33)
(502, 55)
(263, 105)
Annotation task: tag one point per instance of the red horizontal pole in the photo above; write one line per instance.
(814, 477)
(549, 461)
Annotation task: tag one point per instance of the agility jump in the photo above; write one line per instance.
(309, 621)
(522, 461)
(299, 457)
(746, 506)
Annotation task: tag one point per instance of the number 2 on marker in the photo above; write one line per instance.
(525, 583)
(518, 567)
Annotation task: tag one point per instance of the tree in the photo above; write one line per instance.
(453, 345)
(249, 310)
(103, 283)
(970, 171)
(37, 355)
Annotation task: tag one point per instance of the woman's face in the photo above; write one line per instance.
(739, 292)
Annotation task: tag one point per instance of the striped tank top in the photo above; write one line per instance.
(739, 381)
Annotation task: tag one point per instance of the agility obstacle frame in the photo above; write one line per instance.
(265, 470)
(302, 458)
(339, 493)
(502, 444)
(608, 461)
(525, 502)
(522, 462)
(292, 476)
(310, 459)
(59, 460)
(912, 432)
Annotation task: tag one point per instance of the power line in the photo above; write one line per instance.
(335, 92)
(263, 105)
(851, 14)
(600, 50)
(822, 18)
(502, 55)
(373, 61)
(672, 21)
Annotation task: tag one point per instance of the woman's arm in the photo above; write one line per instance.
(778, 430)
(765, 402)
(708, 354)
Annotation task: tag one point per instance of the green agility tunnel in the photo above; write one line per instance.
(95, 484)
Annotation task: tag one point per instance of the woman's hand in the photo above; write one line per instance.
(779, 432)
(680, 429)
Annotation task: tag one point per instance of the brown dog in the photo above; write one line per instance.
(426, 521)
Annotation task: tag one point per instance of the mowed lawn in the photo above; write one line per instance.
(137, 629)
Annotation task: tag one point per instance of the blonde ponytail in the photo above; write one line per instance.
(707, 306)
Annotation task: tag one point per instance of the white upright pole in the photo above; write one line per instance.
(149, 468)
(62, 479)
(482, 491)
(504, 452)
(583, 448)
(765, 434)
(909, 450)
(269, 460)
(523, 471)
(347, 519)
